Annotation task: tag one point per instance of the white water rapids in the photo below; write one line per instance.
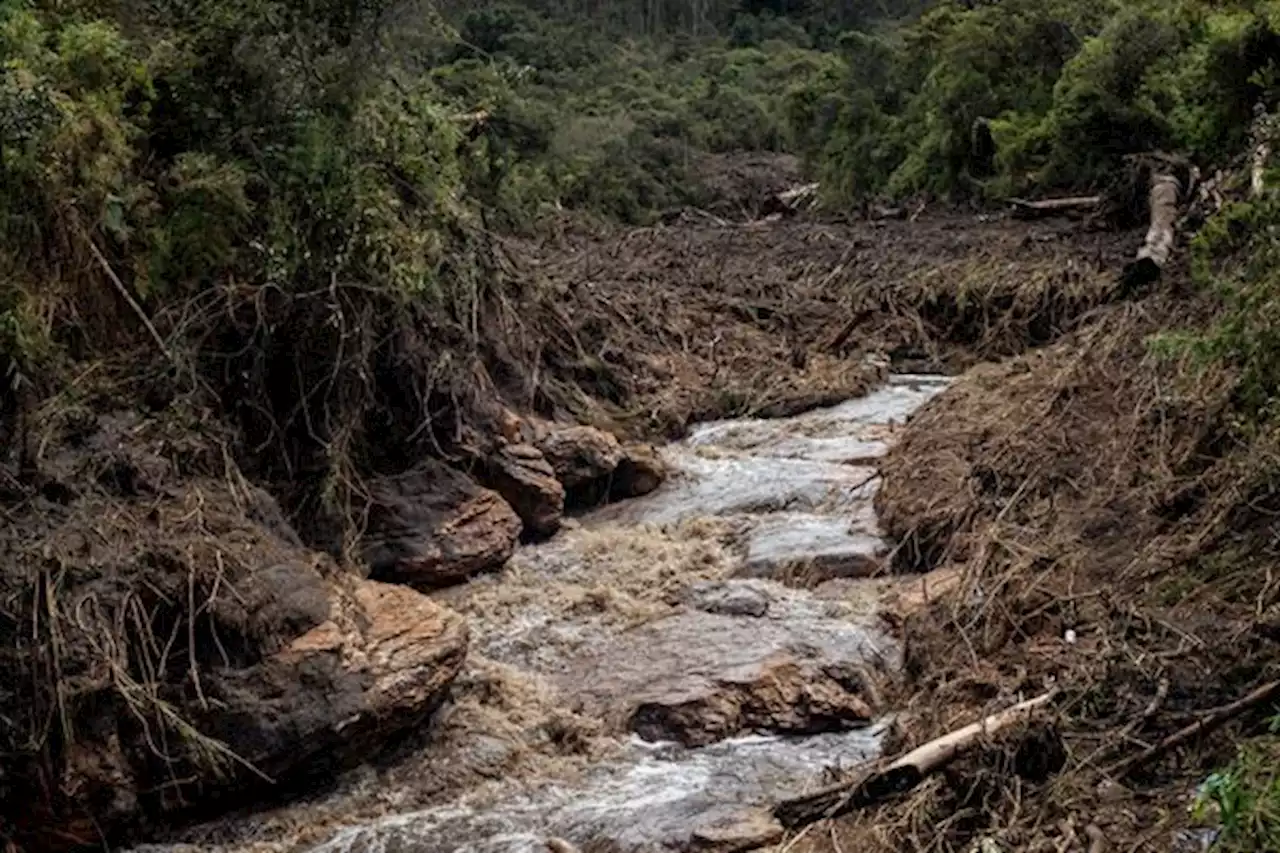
(615, 612)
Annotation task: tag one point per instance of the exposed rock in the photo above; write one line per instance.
(738, 833)
(595, 467)
(195, 636)
(433, 526)
(380, 664)
(728, 598)
(803, 549)
(526, 480)
(699, 677)
(580, 454)
(640, 472)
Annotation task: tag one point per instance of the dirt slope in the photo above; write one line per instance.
(125, 505)
(699, 319)
(1112, 539)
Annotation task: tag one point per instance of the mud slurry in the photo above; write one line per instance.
(658, 673)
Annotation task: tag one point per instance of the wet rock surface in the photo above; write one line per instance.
(730, 598)
(662, 669)
(580, 454)
(699, 677)
(805, 549)
(433, 526)
(379, 664)
(526, 480)
(640, 472)
(652, 798)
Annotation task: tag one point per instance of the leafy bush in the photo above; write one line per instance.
(1068, 87)
(1237, 257)
(1243, 801)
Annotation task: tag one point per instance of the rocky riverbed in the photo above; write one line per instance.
(657, 674)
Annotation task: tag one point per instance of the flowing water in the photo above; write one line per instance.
(721, 634)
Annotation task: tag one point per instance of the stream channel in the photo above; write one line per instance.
(722, 632)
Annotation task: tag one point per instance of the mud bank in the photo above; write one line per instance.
(696, 320)
(659, 673)
(1107, 525)
(174, 522)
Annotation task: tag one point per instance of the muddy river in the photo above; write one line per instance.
(720, 637)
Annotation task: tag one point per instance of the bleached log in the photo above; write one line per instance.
(904, 773)
(1147, 267)
(1023, 209)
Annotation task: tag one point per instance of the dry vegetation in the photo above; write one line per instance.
(1114, 537)
(696, 320)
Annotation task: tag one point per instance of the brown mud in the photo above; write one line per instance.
(168, 631)
(1109, 534)
(696, 320)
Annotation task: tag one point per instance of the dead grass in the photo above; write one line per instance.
(1113, 536)
(131, 567)
(659, 327)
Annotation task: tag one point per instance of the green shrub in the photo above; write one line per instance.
(1069, 88)
(1243, 801)
(1236, 257)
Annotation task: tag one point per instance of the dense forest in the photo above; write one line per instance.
(166, 166)
(284, 219)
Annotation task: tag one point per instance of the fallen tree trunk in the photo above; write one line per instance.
(1148, 266)
(791, 201)
(1023, 209)
(1203, 726)
(904, 773)
(842, 337)
(1257, 179)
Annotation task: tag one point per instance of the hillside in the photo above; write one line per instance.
(310, 310)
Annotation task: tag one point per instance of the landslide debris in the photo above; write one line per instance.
(1100, 525)
(168, 644)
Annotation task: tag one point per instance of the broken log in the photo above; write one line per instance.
(1202, 726)
(1148, 266)
(842, 337)
(1023, 209)
(902, 774)
(879, 212)
(789, 202)
(1257, 179)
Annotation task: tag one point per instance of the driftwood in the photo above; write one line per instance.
(1147, 267)
(1204, 725)
(904, 773)
(878, 212)
(1023, 209)
(791, 201)
(842, 337)
(1257, 180)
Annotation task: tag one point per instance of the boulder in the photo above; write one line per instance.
(729, 598)
(697, 677)
(738, 832)
(432, 526)
(640, 472)
(526, 480)
(202, 650)
(580, 455)
(380, 664)
(595, 467)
